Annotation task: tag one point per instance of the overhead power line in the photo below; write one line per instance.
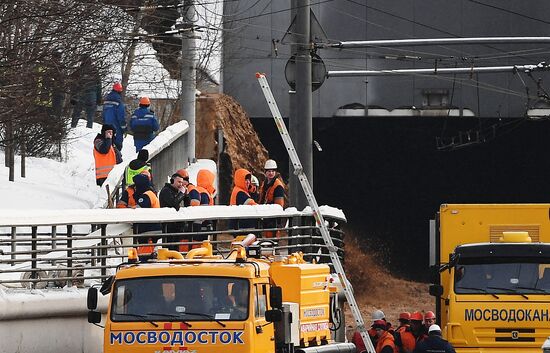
(433, 41)
(441, 71)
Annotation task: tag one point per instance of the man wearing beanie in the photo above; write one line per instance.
(434, 343)
(136, 166)
(174, 195)
(106, 155)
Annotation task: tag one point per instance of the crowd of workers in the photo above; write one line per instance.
(179, 191)
(416, 333)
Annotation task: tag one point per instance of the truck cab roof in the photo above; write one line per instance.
(503, 250)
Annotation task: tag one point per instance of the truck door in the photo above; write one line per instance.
(264, 336)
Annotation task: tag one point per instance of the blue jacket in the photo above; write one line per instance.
(143, 123)
(433, 344)
(114, 114)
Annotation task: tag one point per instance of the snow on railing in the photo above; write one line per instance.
(48, 248)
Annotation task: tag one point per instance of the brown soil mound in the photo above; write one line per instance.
(242, 146)
(375, 288)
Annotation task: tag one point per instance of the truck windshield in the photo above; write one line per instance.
(181, 299)
(502, 278)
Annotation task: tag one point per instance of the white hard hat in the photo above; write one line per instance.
(378, 315)
(270, 164)
(254, 181)
(434, 327)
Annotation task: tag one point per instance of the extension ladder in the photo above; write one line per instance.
(298, 170)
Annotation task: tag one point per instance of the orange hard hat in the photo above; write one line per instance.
(416, 316)
(429, 315)
(117, 87)
(146, 172)
(405, 315)
(144, 101)
(183, 173)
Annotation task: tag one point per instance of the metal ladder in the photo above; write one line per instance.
(298, 170)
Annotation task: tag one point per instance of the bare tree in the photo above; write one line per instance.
(41, 44)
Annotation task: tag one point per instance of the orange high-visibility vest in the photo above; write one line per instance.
(269, 193)
(104, 163)
(386, 340)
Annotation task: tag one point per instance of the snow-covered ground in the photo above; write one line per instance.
(50, 184)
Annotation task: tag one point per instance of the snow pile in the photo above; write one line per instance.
(53, 184)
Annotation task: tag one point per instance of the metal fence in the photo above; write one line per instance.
(40, 254)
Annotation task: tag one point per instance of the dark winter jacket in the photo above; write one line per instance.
(434, 344)
(171, 197)
(145, 198)
(143, 123)
(114, 114)
(86, 84)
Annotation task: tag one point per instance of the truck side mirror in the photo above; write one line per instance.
(94, 317)
(106, 286)
(436, 290)
(274, 315)
(92, 298)
(276, 297)
(434, 273)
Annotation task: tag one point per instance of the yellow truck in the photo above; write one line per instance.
(491, 276)
(249, 301)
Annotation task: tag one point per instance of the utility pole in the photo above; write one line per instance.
(303, 134)
(188, 74)
(293, 122)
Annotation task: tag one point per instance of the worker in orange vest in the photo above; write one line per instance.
(205, 186)
(145, 197)
(240, 196)
(106, 155)
(404, 319)
(272, 190)
(377, 315)
(405, 341)
(417, 328)
(127, 198)
(385, 342)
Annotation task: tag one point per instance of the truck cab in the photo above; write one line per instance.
(206, 303)
(492, 280)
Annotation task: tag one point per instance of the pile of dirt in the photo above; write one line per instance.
(242, 147)
(376, 288)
